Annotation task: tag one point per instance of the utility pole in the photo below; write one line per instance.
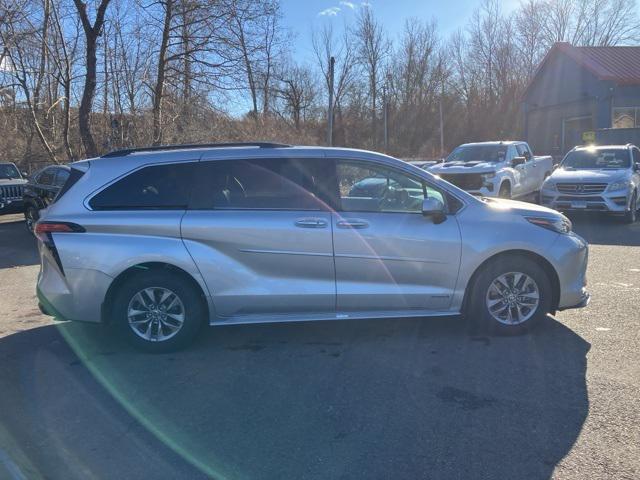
(332, 62)
(384, 117)
(441, 122)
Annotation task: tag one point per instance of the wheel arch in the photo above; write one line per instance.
(537, 258)
(506, 180)
(143, 267)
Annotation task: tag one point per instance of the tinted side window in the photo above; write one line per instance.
(46, 177)
(523, 151)
(61, 177)
(163, 187)
(261, 184)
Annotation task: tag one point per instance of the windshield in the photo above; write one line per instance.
(8, 170)
(597, 159)
(478, 153)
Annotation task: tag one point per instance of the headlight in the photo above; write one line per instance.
(556, 224)
(549, 186)
(620, 185)
(488, 176)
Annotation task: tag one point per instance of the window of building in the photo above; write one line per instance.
(626, 117)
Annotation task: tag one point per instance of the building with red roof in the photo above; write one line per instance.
(579, 90)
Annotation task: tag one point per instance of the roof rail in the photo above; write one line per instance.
(155, 148)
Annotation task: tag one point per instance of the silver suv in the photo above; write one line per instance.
(602, 179)
(160, 241)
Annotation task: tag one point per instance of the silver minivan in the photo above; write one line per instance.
(161, 241)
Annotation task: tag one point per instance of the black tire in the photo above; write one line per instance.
(192, 306)
(31, 216)
(632, 215)
(478, 311)
(505, 191)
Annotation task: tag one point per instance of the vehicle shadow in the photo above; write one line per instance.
(351, 399)
(599, 229)
(18, 246)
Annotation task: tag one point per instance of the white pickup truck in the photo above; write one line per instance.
(495, 169)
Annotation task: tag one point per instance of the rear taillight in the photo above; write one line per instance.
(44, 230)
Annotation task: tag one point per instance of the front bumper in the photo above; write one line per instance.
(586, 298)
(612, 202)
(570, 254)
(11, 206)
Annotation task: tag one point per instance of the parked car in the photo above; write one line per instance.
(495, 169)
(601, 179)
(425, 164)
(162, 240)
(41, 190)
(12, 182)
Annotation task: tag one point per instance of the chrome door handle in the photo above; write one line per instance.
(311, 223)
(352, 224)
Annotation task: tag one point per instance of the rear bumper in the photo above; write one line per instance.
(75, 295)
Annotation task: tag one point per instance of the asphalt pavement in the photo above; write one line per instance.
(378, 399)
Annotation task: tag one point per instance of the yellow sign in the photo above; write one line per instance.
(589, 137)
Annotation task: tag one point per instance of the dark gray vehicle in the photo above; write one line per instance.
(161, 241)
(41, 190)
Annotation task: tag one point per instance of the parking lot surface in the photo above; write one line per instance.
(352, 399)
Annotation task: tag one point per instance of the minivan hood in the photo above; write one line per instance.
(520, 208)
(463, 167)
(562, 175)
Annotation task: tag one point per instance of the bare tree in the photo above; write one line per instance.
(91, 32)
(372, 48)
(325, 46)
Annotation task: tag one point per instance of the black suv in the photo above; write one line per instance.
(11, 188)
(41, 190)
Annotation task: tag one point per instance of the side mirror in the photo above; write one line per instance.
(518, 161)
(555, 167)
(636, 166)
(434, 208)
(25, 174)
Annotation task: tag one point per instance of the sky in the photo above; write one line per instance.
(301, 16)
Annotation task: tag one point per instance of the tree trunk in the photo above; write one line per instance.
(92, 32)
(159, 88)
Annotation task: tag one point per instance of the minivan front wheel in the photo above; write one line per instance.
(158, 311)
(509, 296)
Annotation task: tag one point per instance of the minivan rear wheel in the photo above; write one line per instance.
(158, 311)
(509, 296)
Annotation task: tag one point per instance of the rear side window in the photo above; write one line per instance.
(73, 175)
(523, 151)
(158, 187)
(46, 177)
(261, 184)
(61, 177)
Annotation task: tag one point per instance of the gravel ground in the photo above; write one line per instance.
(356, 399)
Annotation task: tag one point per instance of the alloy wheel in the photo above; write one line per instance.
(512, 298)
(156, 314)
